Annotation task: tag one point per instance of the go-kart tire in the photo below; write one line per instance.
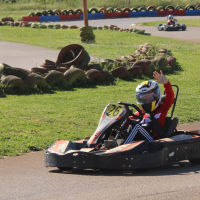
(134, 9)
(48, 62)
(135, 71)
(93, 74)
(31, 14)
(126, 9)
(78, 11)
(54, 77)
(197, 7)
(64, 12)
(93, 10)
(117, 10)
(120, 72)
(7, 70)
(160, 8)
(61, 69)
(63, 56)
(102, 10)
(151, 8)
(170, 7)
(35, 79)
(73, 74)
(57, 12)
(142, 8)
(110, 10)
(38, 14)
(40, 70)
(179, 7)
(65, 168)
(14, 81)
(50, 12)
(105, 73)
(70, 12)
(171, 61)
(189, 7)
(44, 13)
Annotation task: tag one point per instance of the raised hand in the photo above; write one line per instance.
(160, 77)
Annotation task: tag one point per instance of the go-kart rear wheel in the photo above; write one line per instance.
(65, 168)
(195, 161)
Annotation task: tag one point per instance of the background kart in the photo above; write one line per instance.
(175, 27)
(105, 148)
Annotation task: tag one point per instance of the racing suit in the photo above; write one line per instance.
(170, 22)
(159, 113)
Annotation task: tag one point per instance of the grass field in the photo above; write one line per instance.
(33, 122)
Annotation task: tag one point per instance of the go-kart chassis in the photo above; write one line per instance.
(164, 27)
(137, 155)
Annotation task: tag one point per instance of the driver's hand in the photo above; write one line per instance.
(160, 77)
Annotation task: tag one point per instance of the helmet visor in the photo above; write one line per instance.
(148, 97)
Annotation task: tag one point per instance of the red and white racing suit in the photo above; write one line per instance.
(170, 22)
(159, 113)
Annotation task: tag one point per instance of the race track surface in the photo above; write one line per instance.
(25, 177)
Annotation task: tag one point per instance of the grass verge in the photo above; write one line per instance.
(33, 122)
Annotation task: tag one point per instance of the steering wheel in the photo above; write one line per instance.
(140, 116)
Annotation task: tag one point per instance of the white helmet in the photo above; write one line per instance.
(170, 17)
(148, 95)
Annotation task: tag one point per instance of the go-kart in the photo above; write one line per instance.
(105, 148)
(175, 27)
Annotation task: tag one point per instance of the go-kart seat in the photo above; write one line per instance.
(170, 125)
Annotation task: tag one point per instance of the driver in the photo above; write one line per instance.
(170, 20)
(148, 97)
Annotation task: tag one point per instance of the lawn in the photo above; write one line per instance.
(33, 122)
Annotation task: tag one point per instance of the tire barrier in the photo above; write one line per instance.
(120, 72)
(35, 79)
(135, 71)
(74, 74)
(57, 12)
(93, 10)
(171, 61)
(78, 11)
(13, 81)
(110, 12)
(102, 10)
(151, 8)
(189, 7)
(93, 74)
(73, 66)
(169, 7)
(54, 77)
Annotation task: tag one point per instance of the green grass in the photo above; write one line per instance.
(33, 122)
(24, 7)
(187, 22)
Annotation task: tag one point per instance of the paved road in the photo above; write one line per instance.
(25, 177)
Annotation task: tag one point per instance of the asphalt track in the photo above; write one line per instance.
(25, 177)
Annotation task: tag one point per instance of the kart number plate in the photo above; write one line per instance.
(114, 110)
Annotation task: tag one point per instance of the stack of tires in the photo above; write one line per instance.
(86, 34)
